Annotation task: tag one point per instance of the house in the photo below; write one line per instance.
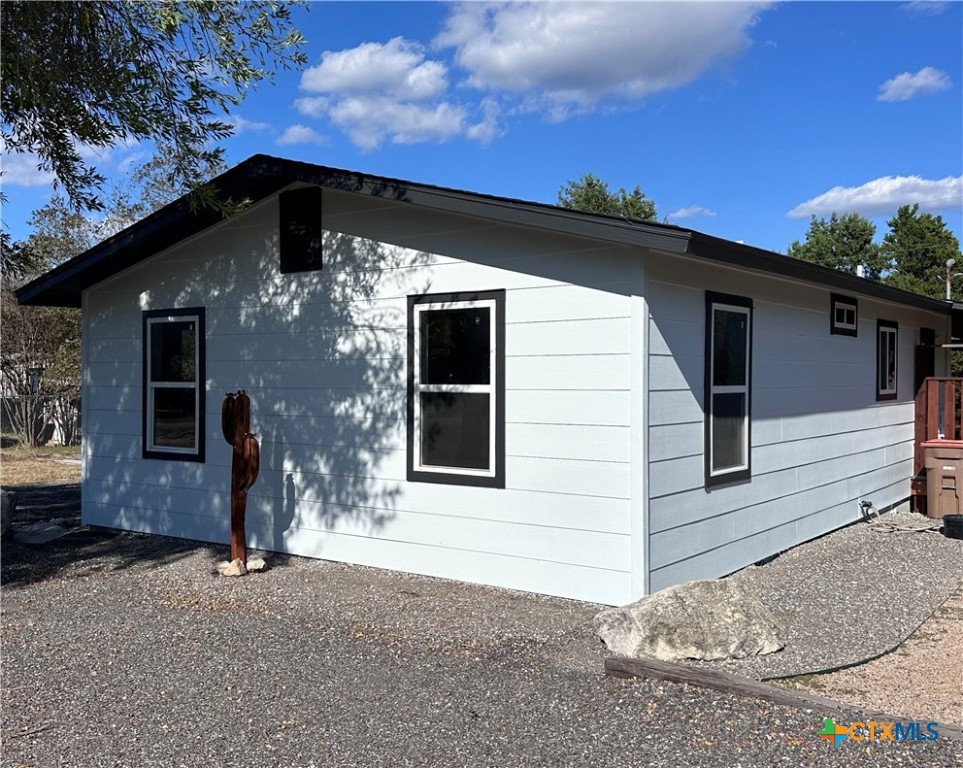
(487, 389)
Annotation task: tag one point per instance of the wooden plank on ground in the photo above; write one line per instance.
(672, 672)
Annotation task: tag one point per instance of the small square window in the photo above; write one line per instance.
(456, 388)
(844, 314)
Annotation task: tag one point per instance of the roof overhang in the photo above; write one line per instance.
(261, 176)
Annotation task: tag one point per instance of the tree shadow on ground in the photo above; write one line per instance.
(84, 549)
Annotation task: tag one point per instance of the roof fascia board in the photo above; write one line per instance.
(716, 249)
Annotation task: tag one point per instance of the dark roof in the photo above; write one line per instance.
(260, 176)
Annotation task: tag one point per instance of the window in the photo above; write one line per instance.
(728, 387)
(886, 362)
(456, 388)
(844, 314)
(174, 384)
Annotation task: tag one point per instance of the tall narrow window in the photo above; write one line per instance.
(456, 388)
(174, 384)
(728, 387)
(887, 334)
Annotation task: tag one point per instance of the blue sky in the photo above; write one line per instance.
(739, 120)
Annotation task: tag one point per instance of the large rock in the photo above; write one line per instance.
(699, 620)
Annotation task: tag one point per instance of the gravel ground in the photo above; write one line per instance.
(850, 596)
(125, 650)
(920, 680)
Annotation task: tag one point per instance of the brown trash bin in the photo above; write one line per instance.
(944, 477)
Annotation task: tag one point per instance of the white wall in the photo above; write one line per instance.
(323, 356)
(820, 440)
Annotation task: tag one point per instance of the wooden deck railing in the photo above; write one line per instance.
(939, 414)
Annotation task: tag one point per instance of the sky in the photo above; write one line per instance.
(740, 120)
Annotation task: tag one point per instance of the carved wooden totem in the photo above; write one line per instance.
(236, 425)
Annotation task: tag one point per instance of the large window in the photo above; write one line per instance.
(728, 387)
(886, 363)
(456, 388)
(174, 384)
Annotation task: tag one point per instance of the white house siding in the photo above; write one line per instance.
(323, 356)
(820, 440)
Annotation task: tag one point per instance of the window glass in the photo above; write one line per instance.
(175, 410)
(887, 360)
(455, 346)
(728, 437)
(173, 351)
(455, 430)
(729, 348)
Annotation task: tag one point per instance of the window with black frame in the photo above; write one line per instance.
(456, 388)
(728, 388)
(173, 393)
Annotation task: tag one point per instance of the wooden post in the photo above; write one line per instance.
(245, 462)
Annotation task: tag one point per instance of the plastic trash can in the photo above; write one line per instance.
(944, 477)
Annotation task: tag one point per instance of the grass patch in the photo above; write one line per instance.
(38, 466)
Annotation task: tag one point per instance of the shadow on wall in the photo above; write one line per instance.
(323, 356)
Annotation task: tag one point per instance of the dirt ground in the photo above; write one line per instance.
(922, 679)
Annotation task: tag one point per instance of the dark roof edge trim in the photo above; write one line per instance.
(750, 257)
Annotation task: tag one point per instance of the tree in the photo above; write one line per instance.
(916, 250)
(99, 74)
(841, 242)
(592, 195)
(40, 346)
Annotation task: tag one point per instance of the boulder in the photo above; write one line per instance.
(707, 620)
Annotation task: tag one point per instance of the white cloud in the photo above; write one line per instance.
(20, 169)
(370, 120)
(391, 92)
(487, 129)
(907, 85)
(690, 211)
(300, 134)
(243, 125)
(397, 68)
(570, 56)
(884, 195)
(929, 7)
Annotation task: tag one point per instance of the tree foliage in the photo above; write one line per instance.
(841, 242)
(916, 250)
(592, 194)
(99, 74)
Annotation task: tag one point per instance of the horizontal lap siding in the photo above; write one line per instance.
(820, 441)
(323, 355)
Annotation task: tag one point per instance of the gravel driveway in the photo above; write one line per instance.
(125, 650)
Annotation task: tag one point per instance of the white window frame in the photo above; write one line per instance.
(887, 338)
(742, 470)
(846, 305)
(151, 386)
(489, 389)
